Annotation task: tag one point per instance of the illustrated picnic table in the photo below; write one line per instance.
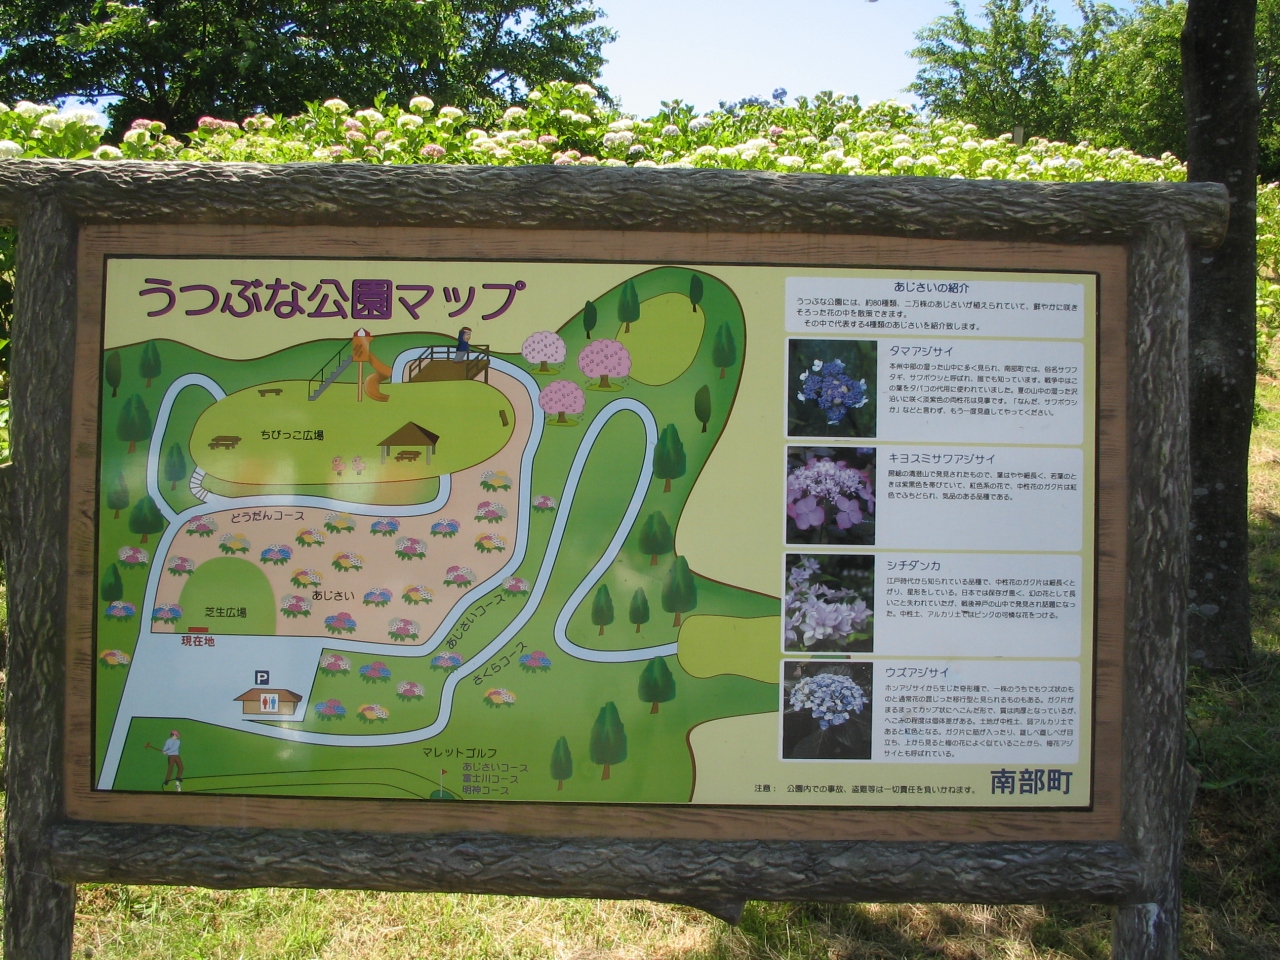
(263, 391)
(223, 443)
(409, 455)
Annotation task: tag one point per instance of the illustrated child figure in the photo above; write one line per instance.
(172, 749)
(464, 344)
(357, 464)
(338, 465)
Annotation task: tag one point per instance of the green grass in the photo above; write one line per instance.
(228, 582)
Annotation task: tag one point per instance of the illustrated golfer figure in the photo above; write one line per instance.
(171, 750)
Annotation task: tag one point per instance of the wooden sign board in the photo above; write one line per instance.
(820, 547)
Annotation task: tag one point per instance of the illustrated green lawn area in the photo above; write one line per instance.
(229, 583)
(467, 415)
(665, 340)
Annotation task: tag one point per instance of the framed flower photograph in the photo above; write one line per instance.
(831, 388)
(831, 495)
(826, 710)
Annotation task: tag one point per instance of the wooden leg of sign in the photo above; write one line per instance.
(1148, 931)
(39, 910)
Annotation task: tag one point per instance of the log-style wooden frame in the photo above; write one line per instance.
(1125, 850)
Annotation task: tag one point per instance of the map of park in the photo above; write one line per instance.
(373, 566)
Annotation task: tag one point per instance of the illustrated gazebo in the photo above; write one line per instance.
(410, 435)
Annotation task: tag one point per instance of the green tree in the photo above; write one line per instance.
(175, 466)
(657, 685)
(695, 291)
(655, 537)
(628, 306)
(680, 591)
(639, 612)
(724, 352)
(602, 609)
(134, 422)
(149, 362)
(176, 60)
(702, 406)
(111, 370)
(561, 763)
(145, 518)
(608, 739)
(668, 457)
(589, 318)
(118, 495)
(112, 587)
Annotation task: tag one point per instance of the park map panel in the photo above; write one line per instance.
(596, 532)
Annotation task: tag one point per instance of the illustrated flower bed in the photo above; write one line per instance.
(544, 504)
(375, 672)
(310, 537)
(490, 511)
(834, 391)
(515, 586)
(233, 543)
(446, 661)
(346, 562)
(457, 576)
(181, 566)
(411, 548)
(166, 613)
(120, 610)
(377, 597)
(402, 629)
(330, 710)
(495, 480)
(201, 527)
(277, 554)
(829, 698)
(409, 690)
(445, 528)
(499, 697)
(339, 523)
(373, 713)
(293, 606)
(417, 594)
(385, 526)
(535, 662)
(335, 663)
(306, 578)
(340, 623)
(490, 543)
(131, 558)
(114, 658)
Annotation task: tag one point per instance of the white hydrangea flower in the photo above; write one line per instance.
(53, 122)
(421, 104)
(706, 150)
(928, 160)
(373, 116)
(514, 113)
(636, 150)
(749, 154)
(728, 152)
(808, 141)
(565, 114)
(535, 95)
(990, 164)
(336, 105)
(949, 141)
(408, 121)
(137, 136)
(969, 145)
(585, 89)
(700, 123)
(790, 163)
(9, 149)
(580, 118)
(450, 113)
(969, 127)
(475, 133)
(902, 163)
(645, 163)
(613, 162)
(900, 140)
(831, 156)
(853, 163)
(842, 128)
(1074, 164)
(621, 138)
(671, 130)
(4, 108)
(84, 117)
(29, 110)
(104, 152)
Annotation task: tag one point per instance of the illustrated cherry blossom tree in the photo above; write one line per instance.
(604, 359)
(542, 348)
(562, 397)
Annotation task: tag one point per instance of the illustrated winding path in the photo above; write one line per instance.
(155, 684)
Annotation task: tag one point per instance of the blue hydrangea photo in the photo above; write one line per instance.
(831, 388)
(826, 710)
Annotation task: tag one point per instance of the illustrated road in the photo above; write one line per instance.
(162, 683)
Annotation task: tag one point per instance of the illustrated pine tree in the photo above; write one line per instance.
(724, 352)
(111, 371)
(145, 518)
(602, 609)
(149, 362)
(589, 318)
(112, 587)
(695, 291)
(118, 495)
(639, 612)
(628, 306)
(608, 739)
(668, 457)
(680, 591)
(134, 422)
(561, 763)
(657, 685)
(702, 406)
(655, 537)
(175, 466)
